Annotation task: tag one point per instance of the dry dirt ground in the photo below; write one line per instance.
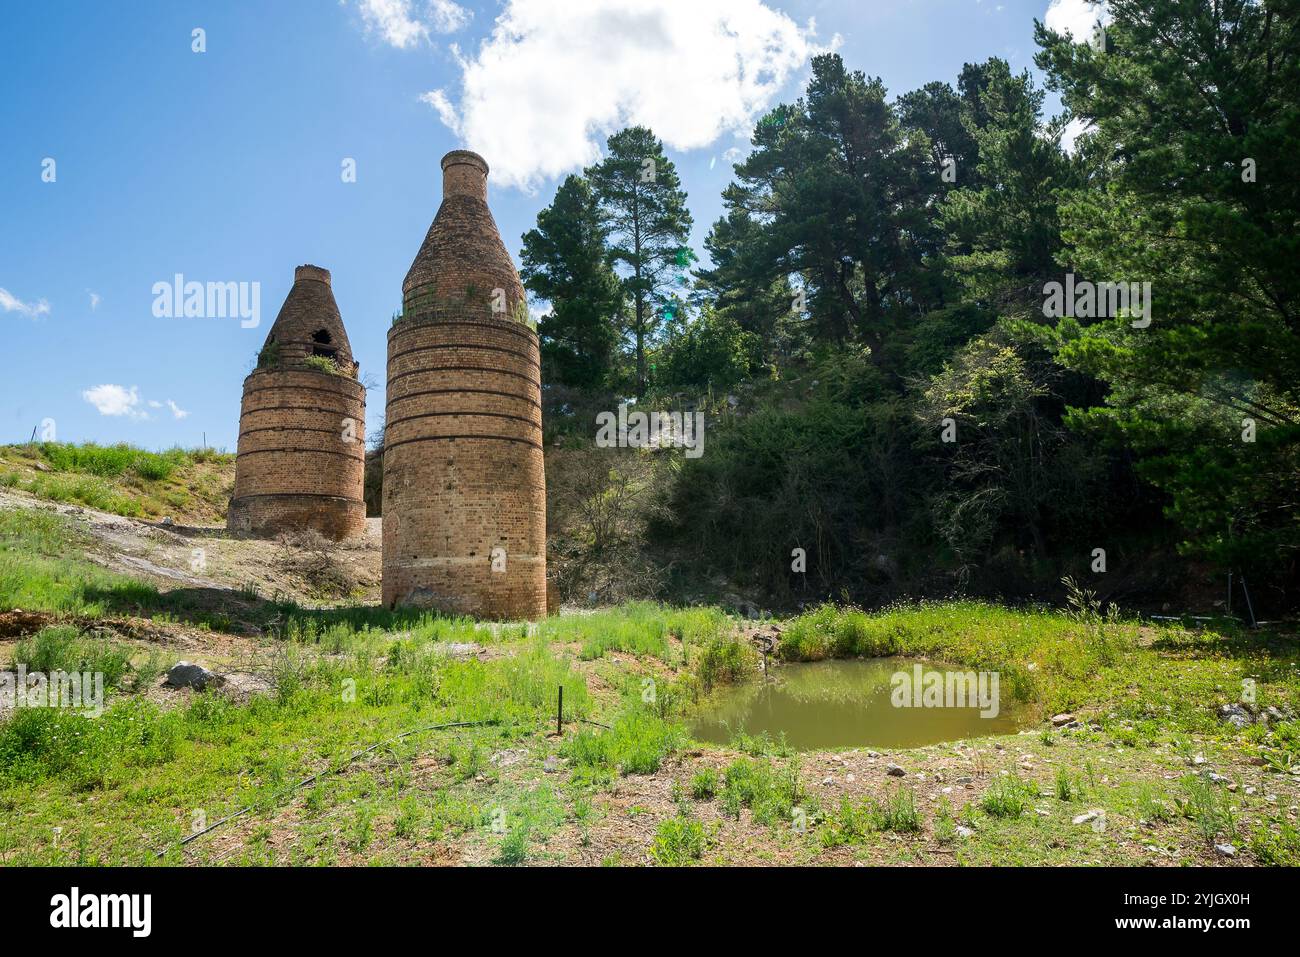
(217, 568)
(305, 568)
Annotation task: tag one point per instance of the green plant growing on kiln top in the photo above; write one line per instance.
(323, 364)
(269, 357)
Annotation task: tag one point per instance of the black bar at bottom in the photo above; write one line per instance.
(907, 904)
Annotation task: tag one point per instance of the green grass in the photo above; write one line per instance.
(128, 783)
(1152, 805)
(43, 568)
(1209, 807)
(66, 649)
(1008, 796)
(120, 479)
(853, 822)
(514, 848)
(898, 813)
(112, 460)
(771, 790)
(533, 816)
(723, 659)
(1278, 746)
(1145, 680)
(38, 572)
(637, 743)
(40, 745)
(638, 628)
(1276, 844)
(704, 784)
(1067, 786)
(342, 679)
(982, 636)
(849, 824)
(144, 760)
(678, 841)
(76, 489)
(945, 823)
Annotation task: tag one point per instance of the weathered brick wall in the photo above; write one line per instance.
(464, 174)
(301, 456)
(463, 470)
(462, 259)
(308, 309)
(267, 515)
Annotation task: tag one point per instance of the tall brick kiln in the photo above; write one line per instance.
(301, 456)
(464, 486)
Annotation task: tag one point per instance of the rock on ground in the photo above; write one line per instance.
(184, 674)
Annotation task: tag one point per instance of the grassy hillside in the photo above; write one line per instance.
(191, 486)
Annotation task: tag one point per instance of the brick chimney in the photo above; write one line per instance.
(464, 481)
(464, 174)
(314, 273)
(301, 456)
(462, 257)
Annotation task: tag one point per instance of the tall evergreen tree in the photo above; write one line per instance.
(942, 115)
(842, 194)
(645, 212)
(1002, 229)
(1192, 112)
(743, 288)
(566, 263)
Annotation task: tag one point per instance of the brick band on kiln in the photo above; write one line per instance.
(464, 482)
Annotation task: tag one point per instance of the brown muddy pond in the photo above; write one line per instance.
(846, 704)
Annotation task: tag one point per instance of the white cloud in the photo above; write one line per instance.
(392, 20)
(447, 17)
(95, 300)
(555, 77)
(404, 23)
(116, 400)
(119, 400)
(1072, 131)
(1075, 18)
(11, 303)
(446, 112)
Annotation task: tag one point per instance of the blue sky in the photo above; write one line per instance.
(225, 165)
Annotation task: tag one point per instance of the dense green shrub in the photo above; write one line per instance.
(724, 659)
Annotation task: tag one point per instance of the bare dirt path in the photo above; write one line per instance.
(195, 556)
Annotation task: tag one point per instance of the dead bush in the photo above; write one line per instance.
(314, 559)
(598, 503)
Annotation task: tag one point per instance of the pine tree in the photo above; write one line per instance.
(844, 197)
(1192, 112)
(566, 263)
(743, 288)
(1002, 230)
(645, 212)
